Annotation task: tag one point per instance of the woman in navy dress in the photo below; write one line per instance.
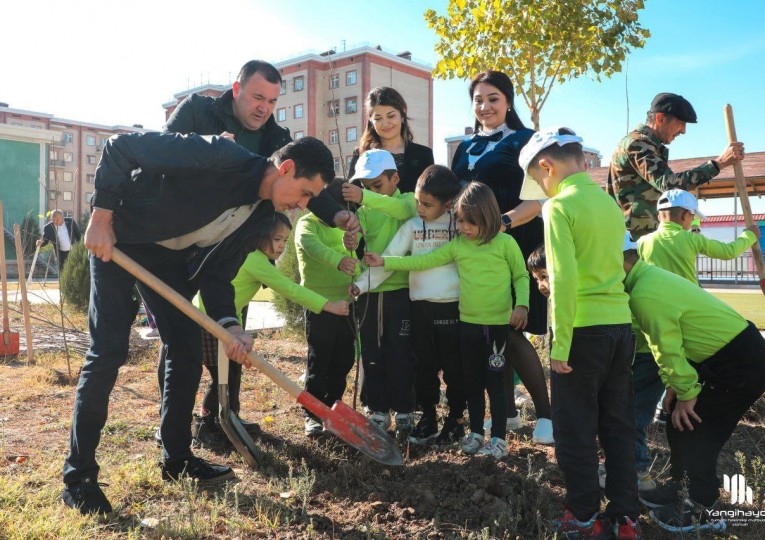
(491, 156)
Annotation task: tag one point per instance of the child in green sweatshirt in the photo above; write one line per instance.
(673, 248)
(258, 270)
(592, 345)
(712, 362)
(386, 340)
(327, 268)
(490, 266)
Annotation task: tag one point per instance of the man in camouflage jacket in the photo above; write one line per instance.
(639, 171)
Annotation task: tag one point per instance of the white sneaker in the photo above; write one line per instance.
(472, 443)
(513, 423)
(496, 448)
(543, 432)
(313, 427)
(382, 419)
(303, 377)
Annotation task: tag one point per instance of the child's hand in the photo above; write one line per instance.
(560, 367)
(373, 259)
(339, 307)
(238, 348)
(354, 291)
(352, 193)
(683, 413)
(519, 317)
(350, 241)
(347, 265)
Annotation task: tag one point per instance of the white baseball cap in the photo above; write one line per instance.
(531, 190)
(629, 243)
(678, 198)
(373, 163)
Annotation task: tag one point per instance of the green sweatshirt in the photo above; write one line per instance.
(380, 217)
(256, 271)
(681, 322)
(319, 250)
(674, 249)
(584, 233)
(486, 273)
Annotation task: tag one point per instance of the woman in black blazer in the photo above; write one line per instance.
(388, 128)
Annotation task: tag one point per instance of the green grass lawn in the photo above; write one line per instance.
(751, 306)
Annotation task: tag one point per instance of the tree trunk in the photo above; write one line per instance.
(535, 118)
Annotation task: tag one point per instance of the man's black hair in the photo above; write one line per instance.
(311, 157)
(269, 72)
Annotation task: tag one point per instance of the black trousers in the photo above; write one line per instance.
(483, 363)
(330, 355)
(386, 351)
(594, 401)
(732, 380)
(436, 342)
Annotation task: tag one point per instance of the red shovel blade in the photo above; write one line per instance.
(9, 343)
(355, 429)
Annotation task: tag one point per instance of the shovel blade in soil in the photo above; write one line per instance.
(235, 431)
(9, 343)
(355, 429)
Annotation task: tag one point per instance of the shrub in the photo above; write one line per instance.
(75, 278)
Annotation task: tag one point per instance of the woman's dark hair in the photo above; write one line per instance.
(265, 233)
(537, 259)
(503, 83)
(387, 97)
(478, 205)
(440, 182)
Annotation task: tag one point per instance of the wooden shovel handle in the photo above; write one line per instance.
(740, 182)
(24, 297)
(4, 278)
(188, 309)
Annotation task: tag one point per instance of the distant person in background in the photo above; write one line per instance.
(388, 128)
(63, 233)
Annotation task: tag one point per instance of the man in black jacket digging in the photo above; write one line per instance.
(174, 202)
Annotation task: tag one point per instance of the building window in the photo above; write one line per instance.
(298, 83)
(333, 107)
(350, 134)
(348, 160)
(281, 115)
(298, 111)
(67, 213)
(90, 140)
(283, 89)
(68, 176)
(67, 195)
(53, 154)
(52, 176)
(52, 192)
(350, 78)
(335, 161)
(104, 140)
(299, 135)
(88, 196)
(333, 136)
(68, 156)
(90, 178)
(334, 81)
(67, 137)
(350, 105)
(91, 160)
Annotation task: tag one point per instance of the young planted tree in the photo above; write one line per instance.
(537, 43)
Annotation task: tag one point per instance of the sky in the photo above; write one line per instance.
(117, 62)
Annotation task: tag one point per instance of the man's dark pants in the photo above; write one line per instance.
(111, 315)
(596, 400)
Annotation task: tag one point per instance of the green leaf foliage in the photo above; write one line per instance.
(75, 277)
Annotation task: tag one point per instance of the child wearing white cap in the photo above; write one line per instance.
(592, 348)
(386, 341)
(673, 248)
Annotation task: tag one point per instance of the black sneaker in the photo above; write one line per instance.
(198, 469)
(663, 495)
(452, 432)
(87, 497)
(425, 431)
(686, 516)
(207, 432)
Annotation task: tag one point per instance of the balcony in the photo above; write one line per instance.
(58, 163)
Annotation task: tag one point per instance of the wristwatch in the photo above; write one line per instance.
(506, 221)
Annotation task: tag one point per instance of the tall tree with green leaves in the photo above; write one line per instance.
(537, 43)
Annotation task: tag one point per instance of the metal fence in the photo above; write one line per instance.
(738, 270)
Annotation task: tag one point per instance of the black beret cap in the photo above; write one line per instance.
(674, 105)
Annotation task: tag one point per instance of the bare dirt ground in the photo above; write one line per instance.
(307, 488)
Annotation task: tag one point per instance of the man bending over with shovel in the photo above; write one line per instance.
(179, 205)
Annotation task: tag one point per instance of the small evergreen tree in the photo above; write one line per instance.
(30, 233)
(75, 277)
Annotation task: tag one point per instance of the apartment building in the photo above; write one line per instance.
(323, 95)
